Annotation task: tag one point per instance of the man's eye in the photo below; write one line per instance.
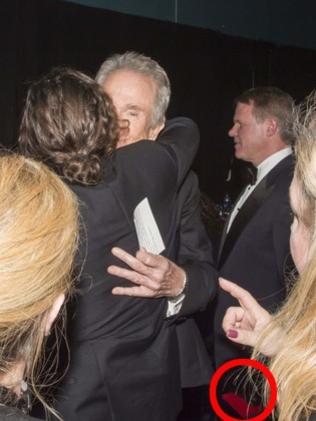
(236, 125)
(133, 113)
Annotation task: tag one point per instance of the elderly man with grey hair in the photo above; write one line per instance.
(140, 90)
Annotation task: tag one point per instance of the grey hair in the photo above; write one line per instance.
(131, 60)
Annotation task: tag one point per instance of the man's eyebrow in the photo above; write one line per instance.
(132, 107)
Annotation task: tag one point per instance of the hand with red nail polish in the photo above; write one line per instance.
(245, 324)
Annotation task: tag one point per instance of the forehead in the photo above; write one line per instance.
(243, 111)
(130, 83)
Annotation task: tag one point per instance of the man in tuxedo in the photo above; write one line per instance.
(254, 249)
(140, 90)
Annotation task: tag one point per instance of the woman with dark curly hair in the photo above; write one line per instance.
(124, 358)
(70, 124)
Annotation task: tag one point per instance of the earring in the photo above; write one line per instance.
(25, 398)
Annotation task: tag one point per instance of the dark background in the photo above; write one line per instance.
(284, 22)
(207, 69)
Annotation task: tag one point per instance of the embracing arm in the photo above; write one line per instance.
(195, 253)
(181, 136)
(157, 276)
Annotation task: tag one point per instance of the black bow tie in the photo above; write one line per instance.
(252, 174)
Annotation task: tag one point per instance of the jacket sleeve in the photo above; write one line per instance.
(181, 137)
(281, 234)
(195, 253)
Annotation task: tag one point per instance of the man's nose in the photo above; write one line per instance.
(232, 131)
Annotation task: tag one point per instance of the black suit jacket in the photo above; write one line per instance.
(255, 251)
(195, 256)
(124, 355)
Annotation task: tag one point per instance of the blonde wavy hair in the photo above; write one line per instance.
(294, 365)
(38, 239)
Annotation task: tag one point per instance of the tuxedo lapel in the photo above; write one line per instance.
(248, 209)
(224, 231)
(246, 212)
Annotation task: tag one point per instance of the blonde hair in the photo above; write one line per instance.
(38, 238)
(294, 365)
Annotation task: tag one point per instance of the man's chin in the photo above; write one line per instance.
(238, 154)
(120, 145)
(238, 150)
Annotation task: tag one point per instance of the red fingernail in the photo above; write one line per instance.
(232, 333)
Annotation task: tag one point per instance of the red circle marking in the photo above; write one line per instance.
(235, 363)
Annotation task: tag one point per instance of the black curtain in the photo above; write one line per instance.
(207, 69)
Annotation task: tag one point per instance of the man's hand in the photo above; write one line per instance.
(155, 275)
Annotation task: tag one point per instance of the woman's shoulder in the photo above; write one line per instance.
(14, 414)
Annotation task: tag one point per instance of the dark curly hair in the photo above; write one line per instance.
(70, 124)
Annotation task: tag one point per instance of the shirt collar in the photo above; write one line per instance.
(270, 162)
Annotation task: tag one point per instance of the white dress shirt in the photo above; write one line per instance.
(263, 169)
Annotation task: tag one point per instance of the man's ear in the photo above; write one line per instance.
(52, 313)
(272, 126)
(154, 132)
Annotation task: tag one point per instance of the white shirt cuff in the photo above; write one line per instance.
(175, 304)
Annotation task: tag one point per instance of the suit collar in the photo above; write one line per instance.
(249, 208)
(272, 161)
(273, 175)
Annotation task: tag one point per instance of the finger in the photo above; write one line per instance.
(242, 337)
(136, 278)
(246, 300)
(122, 254)
(230, 286)
(125, 273)
(133, 292)
(232, 316)
(153, 260)
(130, 260)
